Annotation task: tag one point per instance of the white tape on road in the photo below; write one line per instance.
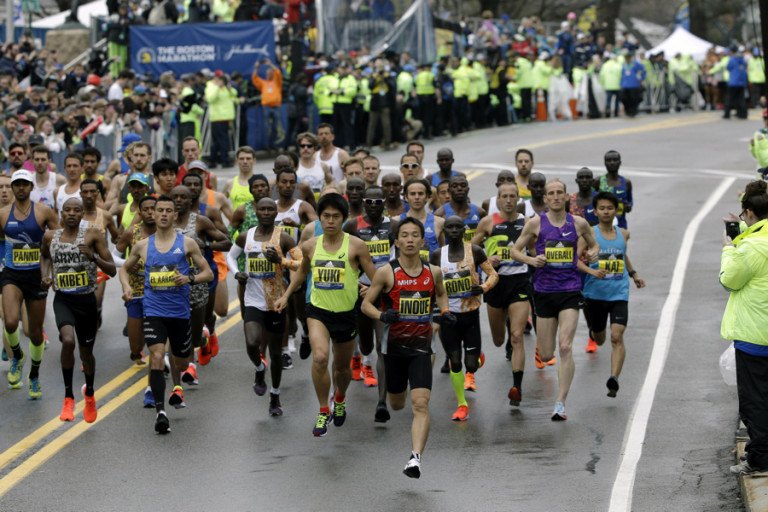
(634, 437)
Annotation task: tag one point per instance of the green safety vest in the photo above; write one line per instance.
(322, 93)
(425, 83)
(348, 86)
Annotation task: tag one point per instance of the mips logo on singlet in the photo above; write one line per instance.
(559, 253)
(260, 267)
(458, 284)
(328, 275)
(162, 276)
(415, 306)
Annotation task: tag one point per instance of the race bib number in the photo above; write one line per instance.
(458, 284)
(25, 255)
(292, 231)
(612, 264)
(505, 255)
(469, 233)
(415, 307)
(424, 255)
(559, 253)
(328, 275)
(162, 277)
(259, 267)
(620, 209)
(379, 250)
(70, 282)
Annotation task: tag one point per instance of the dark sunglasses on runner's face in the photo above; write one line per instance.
(374, 202)
(409, 166)
(306, 145)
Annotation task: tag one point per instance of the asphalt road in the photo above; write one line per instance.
(225, 452)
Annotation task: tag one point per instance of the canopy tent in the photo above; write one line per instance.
(84, 14)
(682, 41)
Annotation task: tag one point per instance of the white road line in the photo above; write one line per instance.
(637, 171)
(634, 437)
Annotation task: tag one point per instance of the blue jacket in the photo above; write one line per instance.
(737, 71)
(632, 75)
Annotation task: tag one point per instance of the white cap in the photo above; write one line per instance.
(21, 174)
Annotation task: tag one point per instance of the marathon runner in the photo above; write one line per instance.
(458, 261)
(536, 205)
(444, 168)
(505, 176)
(46, 181)
(524, 164)
(73, 168)
(392, 184)
(620, 186)
(407, 289)
(237, 190)
(335, 260)
(371, 170)
(69, 259)
(461, 206)
(557, 285)
(418, 193)
(91, 161)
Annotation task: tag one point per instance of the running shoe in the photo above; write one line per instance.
(369, 379)
(90, 411)
(190, 375)
(461, 414)
(67, 410)
(162, 425)
(149, 399)
(287, 361)
(213, 341)
(469, 382)
(382, 413)
(446, 368)
(591, 346)
(552, 362)
(413, 468)
(305, 349)
(559, 413)
(45, 339)
(4, 355)
(508, 350)
(481, 360)
(264, 360)
(356, 365)
(613, 386)
(339, 413)
(260, 384)
(204, 353)
(35, 390)
(177, 398)
(321, 425)
(274, 405)
(167, 363)
(537, 360)
(14, 372)
(292, 344)
(515, 396)
(743, 468)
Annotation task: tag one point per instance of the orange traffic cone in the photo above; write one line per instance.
(541, 106)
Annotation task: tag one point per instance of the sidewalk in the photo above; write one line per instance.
(754, 488)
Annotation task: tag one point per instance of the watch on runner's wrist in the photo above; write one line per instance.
(633, 273)
(191, 278)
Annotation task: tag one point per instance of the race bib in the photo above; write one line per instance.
(424, 255)
(25, 255)
(379, 250)
(469, 233)
(620, 209)
(259, 267)
(458, 284)
(415, 307)
(559, 253)
(612, 264)
(162, 277)
(70, 282)
(505, 255)
(292, 231)
(328, 275)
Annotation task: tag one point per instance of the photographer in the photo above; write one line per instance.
(744, 273)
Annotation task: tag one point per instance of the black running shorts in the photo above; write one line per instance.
(509, 289)
(549, 305)
(79, 311)
(466, 330)
(176, 330)
(271, 320)
(341, 326)
(598, 312)
(400, 371)
(28, 281)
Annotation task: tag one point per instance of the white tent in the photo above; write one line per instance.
(682, 41)
(84, 14)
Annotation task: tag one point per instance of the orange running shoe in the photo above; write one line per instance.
(591, 346)
(189, 375)
(537, 360)
(514, 396)
(213, 340)
(204, 354)
(369, 379)
(469, 382)
(356, 364)
(264, 360)
(552, 362)
(68, 410)
(481, 360)
(89, 412)
(461, 414)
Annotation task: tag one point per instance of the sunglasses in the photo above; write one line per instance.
(16, 153)
(409, 166)
(306, 145)
(373, 202)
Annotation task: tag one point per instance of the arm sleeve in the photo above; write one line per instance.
(232, 256)
(119, 261)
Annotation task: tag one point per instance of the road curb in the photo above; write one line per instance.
(754, 487)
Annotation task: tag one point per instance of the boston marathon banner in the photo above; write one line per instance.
(188, 48)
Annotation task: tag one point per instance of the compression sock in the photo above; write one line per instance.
(157, 383)
(13, 341)
(89, 384)
(36, 357)
(517, 378)
(67, 374)
(457, 381)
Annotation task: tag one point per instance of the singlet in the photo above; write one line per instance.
(312, 176)
(317, 232)
(587, 212)
(435, 179)
(62, 196)
(198, 292)
(239, 194)
(522, 190)
(529, 210)
(334, 281)
(265, 279)
(504, 234)
(22, 241)
(615, 285)
(291, 213)
(73, 273)
(162, 298)
(128, 215)
(458, 278)
(333, 164)
(621, 193)
(471, 221)
(558, 244)
(492, 206)
(136, 279)
(249, 221)
(430, 237)
(44, 194)
(412, 297)
(378, 239)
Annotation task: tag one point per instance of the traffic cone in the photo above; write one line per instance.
(574, 112)
(541, 106)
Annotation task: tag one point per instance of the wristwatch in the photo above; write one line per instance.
(191, 278)
(633, 273)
